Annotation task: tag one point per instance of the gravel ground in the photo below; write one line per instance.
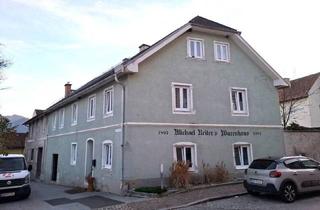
(263, 202)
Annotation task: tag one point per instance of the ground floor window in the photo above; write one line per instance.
(242, 155)
(107, 154)
(187, 152)
(73, 159)
(31, 154)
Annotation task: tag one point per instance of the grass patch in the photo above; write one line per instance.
(156, 190)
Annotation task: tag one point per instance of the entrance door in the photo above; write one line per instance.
(89, 158)
(39, 162)
(54, 167)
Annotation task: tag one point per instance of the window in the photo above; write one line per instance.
(293, 163)
(239, 101)
(108, 102)
(31, 154)
(107, 154)
(309, 164)
(54, 121)
(91, 108)
(74, 114)
(73, 157)
(195, 48)
(221, 51)
(186, 152)
(242, 155)
(182, 98)
(61, 118)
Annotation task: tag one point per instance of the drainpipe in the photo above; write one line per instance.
(122, 125)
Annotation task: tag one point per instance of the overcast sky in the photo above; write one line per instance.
(51, 42)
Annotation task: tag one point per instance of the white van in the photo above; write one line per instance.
(14, 176)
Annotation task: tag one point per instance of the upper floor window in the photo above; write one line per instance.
(74, 114)
(239, 101)
(107, 154)
(91, 108)
(108, 102)
(54, 121)
(242, 155)
(73, 156)
(195, 48)
(182, 98)
(221, 51)
(61, 118)
(186, 152)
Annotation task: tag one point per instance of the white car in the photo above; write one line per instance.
(14, 176)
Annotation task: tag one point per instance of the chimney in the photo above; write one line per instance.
(67, 89)
(143, 47)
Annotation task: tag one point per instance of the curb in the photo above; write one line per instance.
(204, 200)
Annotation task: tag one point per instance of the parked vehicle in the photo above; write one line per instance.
(14, 176)
(286, 176)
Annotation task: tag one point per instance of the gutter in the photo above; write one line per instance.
(122, 125)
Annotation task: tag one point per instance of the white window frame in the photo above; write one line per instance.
(245, 112)
(91, 118)
(54, 121)
(181, 110)
(103, 158)
(73, 154)
(250, 154)
(61, 118)
(220, 44)
(107, 113)
(194, 157)
(74, 115)
(202, 51)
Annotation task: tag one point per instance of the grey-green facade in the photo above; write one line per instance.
(144, 128)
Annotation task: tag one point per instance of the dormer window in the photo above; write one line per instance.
(195, 48)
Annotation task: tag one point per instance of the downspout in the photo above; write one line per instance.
(122, 126)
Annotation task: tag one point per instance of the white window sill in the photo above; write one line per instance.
(237, 114)
(183, 112)
(107, 167)
(222, 61)
(73, 164)
(196, 59)
(73, 124)
(90, 119)
(241, 167)
(108, 115)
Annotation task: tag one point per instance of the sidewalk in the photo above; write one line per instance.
(184, 199)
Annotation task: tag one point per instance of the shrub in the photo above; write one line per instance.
(179, 174)
(218, 174)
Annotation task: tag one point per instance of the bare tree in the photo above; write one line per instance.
(289, 104)
(3, 64)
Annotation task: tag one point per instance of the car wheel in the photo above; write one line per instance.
(288, 192)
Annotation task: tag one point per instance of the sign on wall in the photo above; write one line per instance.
(208, 132)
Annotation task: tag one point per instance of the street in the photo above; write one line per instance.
(54, 197)
(264, 202)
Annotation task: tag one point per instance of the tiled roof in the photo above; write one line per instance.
(203, 22)
(299, 88)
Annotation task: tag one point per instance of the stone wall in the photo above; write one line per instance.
(305, 143)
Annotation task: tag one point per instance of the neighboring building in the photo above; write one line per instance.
(200, 94)
(303, 96)
(35, 143)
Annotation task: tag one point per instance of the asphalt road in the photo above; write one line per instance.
(262, 202)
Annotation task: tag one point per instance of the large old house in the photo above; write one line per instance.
(199, 94)
(300, 103)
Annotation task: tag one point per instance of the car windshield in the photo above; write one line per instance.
(12, 164)
(263, 164)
